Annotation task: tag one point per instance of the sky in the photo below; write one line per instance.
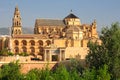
(105, 12)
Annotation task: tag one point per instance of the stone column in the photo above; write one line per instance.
(47, 30)
(63, 54)
(50, 59)
(45, 56)
(60, 56)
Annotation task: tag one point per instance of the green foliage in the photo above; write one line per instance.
(61, 73)
(108, 53)
(5, 52)
(10, 53)
(103, 74)
(45, 74)
(98, 56)
(11, 71)
(74, 65)
(33, 74)
(74, 75)
(89, 74)
(93, 74)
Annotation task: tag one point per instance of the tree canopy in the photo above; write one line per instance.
(108, 53)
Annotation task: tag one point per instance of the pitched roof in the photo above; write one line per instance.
(30, 36)
(49, 22)
(71, 16)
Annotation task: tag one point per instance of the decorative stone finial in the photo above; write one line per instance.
(71, 11)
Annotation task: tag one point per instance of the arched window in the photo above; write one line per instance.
(40, 42)
(24, 49)
(19, 31)
(48, 42)
(32, 42)
(24, 42)
(17, 23)
(16, 50)
(16, 31)
(41, 49)
(16, 42)
(32, 50)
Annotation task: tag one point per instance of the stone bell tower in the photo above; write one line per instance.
(16, 23)
(94, 30)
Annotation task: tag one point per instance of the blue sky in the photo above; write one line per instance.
(104, 11)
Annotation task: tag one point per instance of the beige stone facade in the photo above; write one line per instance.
(53, 40)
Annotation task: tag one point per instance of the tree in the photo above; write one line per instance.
(103, 74)
(33, 74)
(108, 52)
(5, 52)
(61, 73)
(11, 71)
(97, 56)
(46, 74)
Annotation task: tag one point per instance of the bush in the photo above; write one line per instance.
(11, 71)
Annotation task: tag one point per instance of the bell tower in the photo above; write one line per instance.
(16, 23)
(94, 30)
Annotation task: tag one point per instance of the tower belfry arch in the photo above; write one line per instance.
(16, 23)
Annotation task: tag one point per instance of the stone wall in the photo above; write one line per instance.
(26, 63)
(75, 52)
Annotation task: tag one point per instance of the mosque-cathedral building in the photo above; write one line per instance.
(53, 39)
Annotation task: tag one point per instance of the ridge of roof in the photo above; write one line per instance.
(49, 22)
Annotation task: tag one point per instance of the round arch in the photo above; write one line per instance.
(16, 50)
(32, 42)
(48, 42)
(32, 50)
(40, 42)
(24, 42)
(16, 42)
(24, 49)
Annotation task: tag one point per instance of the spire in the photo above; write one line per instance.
(17, 12)
(16, 8)
(94, 22)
